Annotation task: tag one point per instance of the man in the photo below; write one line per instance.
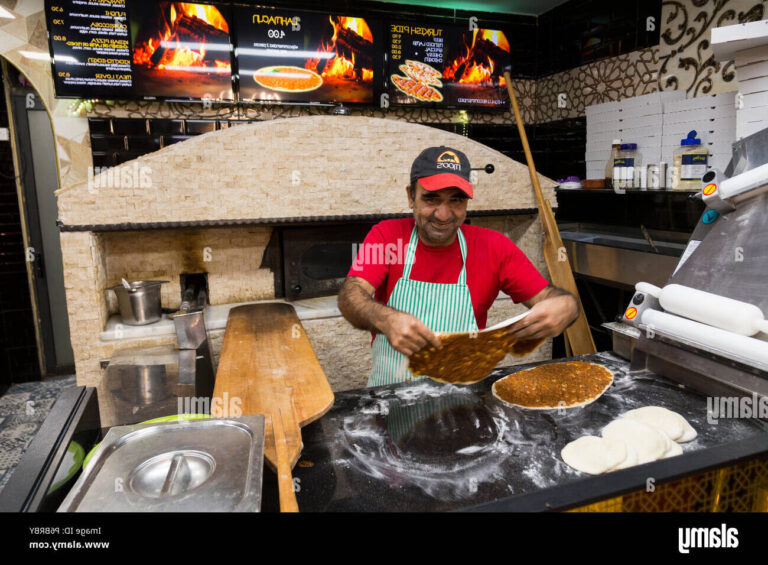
(448, 276)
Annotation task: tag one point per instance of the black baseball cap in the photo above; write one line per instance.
(442, 167)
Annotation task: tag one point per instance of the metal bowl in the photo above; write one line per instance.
(139, 305)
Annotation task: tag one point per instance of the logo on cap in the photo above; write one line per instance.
(448, 157)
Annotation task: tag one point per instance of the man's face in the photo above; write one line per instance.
(438, 214)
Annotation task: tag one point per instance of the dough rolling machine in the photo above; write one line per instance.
(706, 328)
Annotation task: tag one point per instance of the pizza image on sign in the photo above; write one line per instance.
(421, 72)
(416, 89)
(285, 78)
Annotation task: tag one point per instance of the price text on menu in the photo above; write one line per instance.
(91, 47)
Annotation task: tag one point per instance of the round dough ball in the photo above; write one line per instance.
(649, 443)
(672, 450)
(630, 460)
(594, 455)
(671, 423)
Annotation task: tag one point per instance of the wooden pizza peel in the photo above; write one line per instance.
(268, 364)
(578, 335)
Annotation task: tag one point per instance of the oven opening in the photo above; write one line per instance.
(312, 261)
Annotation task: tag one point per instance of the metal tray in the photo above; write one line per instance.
(190, 466)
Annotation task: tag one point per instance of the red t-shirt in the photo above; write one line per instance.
(493, 263)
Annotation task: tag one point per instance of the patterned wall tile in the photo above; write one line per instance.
(686, 58)
(525, 91)
(624, 76)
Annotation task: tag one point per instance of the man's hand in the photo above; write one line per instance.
(407, 334)
(551, 311)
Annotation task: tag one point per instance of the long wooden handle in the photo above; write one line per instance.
(288, 501)
(578, 336)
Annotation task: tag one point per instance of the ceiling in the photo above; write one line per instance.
(525, 7)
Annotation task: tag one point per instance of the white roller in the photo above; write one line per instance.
(745, 185)
(746, 347)
(733, 315)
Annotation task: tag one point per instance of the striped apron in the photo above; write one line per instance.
(441, 307)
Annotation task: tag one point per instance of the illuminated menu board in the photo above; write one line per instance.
(287, 56)
(446, 66)
(91, 48)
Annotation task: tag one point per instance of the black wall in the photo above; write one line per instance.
(18, 346)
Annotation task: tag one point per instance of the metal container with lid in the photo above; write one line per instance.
(210, 465)
(140, 304)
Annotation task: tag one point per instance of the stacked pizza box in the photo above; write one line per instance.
(713, 117)
(746, 45)
(632, 120)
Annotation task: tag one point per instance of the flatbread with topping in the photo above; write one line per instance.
(417, 73)
(468, 358)
(416, 89)
(284, 78)
(554, 385)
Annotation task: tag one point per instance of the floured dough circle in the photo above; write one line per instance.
(630, 460)
(594, 455)
(649, 443)
(671, 423)
(672, 450)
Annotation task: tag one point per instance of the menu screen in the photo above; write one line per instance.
(91, 48)
(303, 57)
(180, 50)
(447, 66)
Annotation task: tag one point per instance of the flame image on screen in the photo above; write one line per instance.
(350, 45)
(187, 37)
(480, 59)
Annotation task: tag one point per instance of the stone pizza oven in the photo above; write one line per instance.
(210, 205)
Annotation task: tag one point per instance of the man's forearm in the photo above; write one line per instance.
(360, 309)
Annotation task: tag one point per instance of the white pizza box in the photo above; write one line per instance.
(727, 41)
(654, 98)
(604, 123)
(637, 111)
(602, 108)
(595, 169)
(753, 85)
(597, 155)
(722, 147)
(752, 70)
(750, 118)
(610, 125)
(700, 114)
(706, 101)
(673, 142)
(602, 116)
(707, 128)
(749, 56)
(602, 140)
(631, 135)
(719, 162)
(653, 120)
(750, 128)
(754, 100)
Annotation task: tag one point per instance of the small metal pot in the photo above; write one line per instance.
(141, 304)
